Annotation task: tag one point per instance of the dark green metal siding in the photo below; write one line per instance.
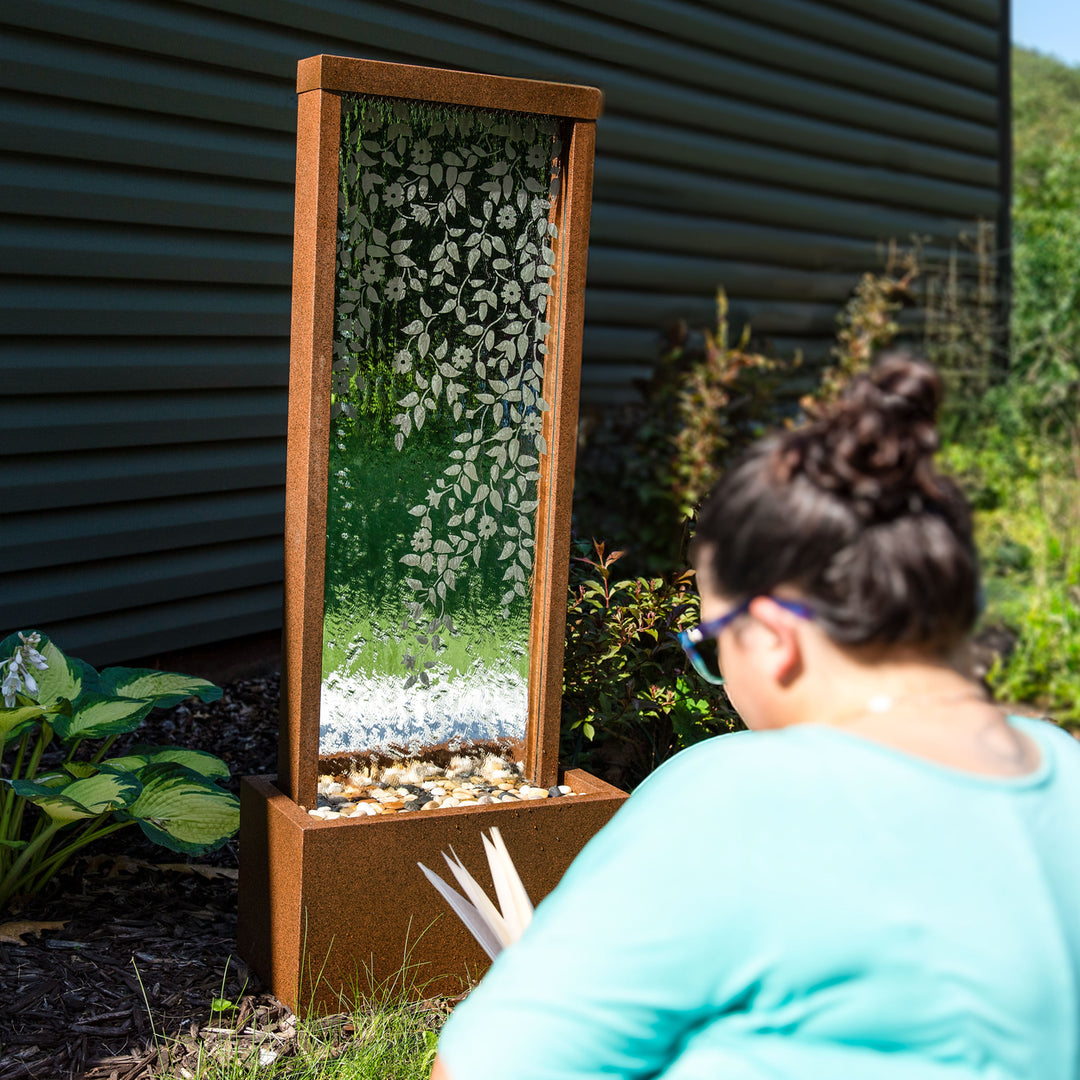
(146, 168)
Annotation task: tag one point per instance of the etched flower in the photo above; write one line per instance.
(462, 356)
(395, 288)
(372, 122)
(373, 271)
(434, 496)
(402, 362)
(507, 217)
(532, 424)
(487, 527)
(536, 157)
(394, 195)
(421, 152)
(421, 540)
(511, 293)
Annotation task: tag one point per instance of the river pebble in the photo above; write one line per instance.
(412, 786)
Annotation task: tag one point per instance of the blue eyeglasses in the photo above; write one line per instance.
(700, 642)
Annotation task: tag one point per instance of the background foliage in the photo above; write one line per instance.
(1011, 430)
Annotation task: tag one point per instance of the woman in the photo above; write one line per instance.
(881, 879)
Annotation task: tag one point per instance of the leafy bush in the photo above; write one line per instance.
(168, 791)
(644, 470)
(630, 697)
(1026, 494)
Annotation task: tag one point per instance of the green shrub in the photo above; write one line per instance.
(630, 696)
(168, 791)
(1026, 495)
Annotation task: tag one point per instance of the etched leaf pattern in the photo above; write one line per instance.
(445, 222)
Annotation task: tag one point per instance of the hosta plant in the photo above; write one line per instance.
(61, 789)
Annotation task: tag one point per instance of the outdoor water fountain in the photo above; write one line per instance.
(438, 286)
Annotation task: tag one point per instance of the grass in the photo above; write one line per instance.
(391, 1041)
(388, 1033)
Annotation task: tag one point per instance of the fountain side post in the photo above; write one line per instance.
(332, 908)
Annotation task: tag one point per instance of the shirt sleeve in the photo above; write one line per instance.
(608, 979)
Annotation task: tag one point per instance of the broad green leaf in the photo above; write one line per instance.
(95, 716)
(128, 763)
(184, 811)
(196, 760)
(62, 679)
(164, 688)
(92, 797)
(13, 722)
(80, 769)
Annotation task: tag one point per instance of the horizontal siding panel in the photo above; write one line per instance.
(77, 131)
(867, 30)
(615, 307)
(887, 132)
(625, 91)
(186, 32)
(88, 365)
(212, 37)
(47, 481)
(793, 51)
(86, 249)
(118, 76)
(625, 344)
(90, 192)
(148, 307)
(628, 268)
(663, 187)
(114, 584)
(142, 631)
(948, 16)
(728, 238)
(99, 422)
(714, 155)
(78, 534)
(716, 66)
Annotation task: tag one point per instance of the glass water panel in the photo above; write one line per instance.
(444, 260)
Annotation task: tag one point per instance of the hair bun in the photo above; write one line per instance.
(875, 445)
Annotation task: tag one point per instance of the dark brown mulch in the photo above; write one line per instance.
(124, 989)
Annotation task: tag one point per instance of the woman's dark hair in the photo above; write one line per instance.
(850, 510)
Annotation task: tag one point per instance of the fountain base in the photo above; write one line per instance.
(335, 910)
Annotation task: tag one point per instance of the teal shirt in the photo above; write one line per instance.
(803, 904)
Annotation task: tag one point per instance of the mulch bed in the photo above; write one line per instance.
(124, 989)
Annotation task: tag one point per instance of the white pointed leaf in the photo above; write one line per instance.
(466, 913)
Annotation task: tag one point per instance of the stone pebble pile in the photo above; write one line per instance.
(421, 786)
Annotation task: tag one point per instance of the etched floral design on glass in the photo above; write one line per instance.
(444, 262)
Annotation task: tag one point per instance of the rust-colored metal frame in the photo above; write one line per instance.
(321, 81)
(328, 908)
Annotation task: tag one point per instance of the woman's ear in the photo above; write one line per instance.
(780, 650)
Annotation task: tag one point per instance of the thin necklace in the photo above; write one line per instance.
(883, 703)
